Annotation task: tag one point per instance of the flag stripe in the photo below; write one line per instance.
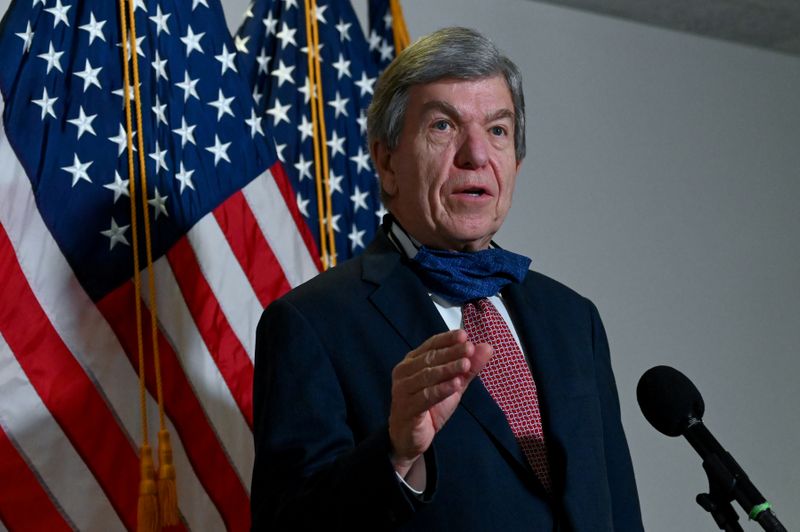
(209, 460)
(85, 331)
(226, 281)
(219, 405)
(49, 453)
(66, 390)
(276, 219)
(263, 271)
(24, 504)
(284, 187)
(223, 346)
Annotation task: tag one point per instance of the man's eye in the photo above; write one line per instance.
(498, 131)
(441, 125)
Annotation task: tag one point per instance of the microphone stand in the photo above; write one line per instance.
(728, 481)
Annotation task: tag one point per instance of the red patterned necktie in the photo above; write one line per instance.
(508, 380)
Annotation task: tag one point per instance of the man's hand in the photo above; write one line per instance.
(427, 385)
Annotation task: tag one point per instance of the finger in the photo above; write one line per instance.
(433, 358)
(439, 341)
(481, 355)
(433, 375)
(429, 396)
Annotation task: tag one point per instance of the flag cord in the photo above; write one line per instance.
(166, 512)
(321, 168)
(399, 29)
(147, 511)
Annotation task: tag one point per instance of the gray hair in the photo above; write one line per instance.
(454, 53)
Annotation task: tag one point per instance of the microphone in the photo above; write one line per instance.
(674, 406)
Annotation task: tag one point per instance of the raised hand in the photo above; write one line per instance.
(427, 386)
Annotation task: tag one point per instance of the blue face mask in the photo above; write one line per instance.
(460, 277)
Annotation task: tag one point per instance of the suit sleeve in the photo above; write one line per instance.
(626, 514)
(309, 473)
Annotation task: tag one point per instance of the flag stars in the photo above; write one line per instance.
(339, 104)
(362, 121)
(303, 168)
(189, 87)
(160, 66)
(27, 38)
(219, 149)
(286, 36)
(361, 159)
(263, 61)
(160, 20)
(121, 93)
(306, 129)
(241, 43)
(334, 222)
(83, 123)
(365, 84)
(279, 151)
(53, 58)
(121, 140)
(270, 24)
(119, 186)
(192, 39)
(223, 105)
(374, 40)
(356, 238)
(226, 59)
(46, 103)
(336, 144)
(185, 132)
(160, 157)
(306, 90)
(60, 13)
(184, 176)
(160, 110)
(302, 205)
(139, 49)
(288, 4)
(319, 13)
(335, 182)
(116, 234)
(255, 124)
(342, 67)
(359, 199)
(159, 203)
(78, 170)
(94, 28)
(283, 73)
(386, 50)
(89, 75)
(279, 112)
(344, 30)
(387, 19)
(196, 3)
(381, 212)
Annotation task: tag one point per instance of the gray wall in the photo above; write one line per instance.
(663, 182)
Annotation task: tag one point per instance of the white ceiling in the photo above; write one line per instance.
(772, 24)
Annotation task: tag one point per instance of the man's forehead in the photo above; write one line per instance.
(453, 95)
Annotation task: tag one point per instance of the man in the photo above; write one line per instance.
(434, 383)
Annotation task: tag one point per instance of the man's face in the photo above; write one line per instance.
(451, 177)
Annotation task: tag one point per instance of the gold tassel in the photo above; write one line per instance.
(167, 491)
(147, 516)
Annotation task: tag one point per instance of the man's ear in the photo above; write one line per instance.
(382, 157)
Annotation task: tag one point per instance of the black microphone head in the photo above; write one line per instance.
(669, 400)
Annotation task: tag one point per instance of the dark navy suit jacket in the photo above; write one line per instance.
(322, 392)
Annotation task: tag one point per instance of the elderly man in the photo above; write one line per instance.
(435, 383)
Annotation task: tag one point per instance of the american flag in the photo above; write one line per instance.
(381, 38)
(227, 239)
(272, 47)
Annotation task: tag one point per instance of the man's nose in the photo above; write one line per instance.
(473, 151)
